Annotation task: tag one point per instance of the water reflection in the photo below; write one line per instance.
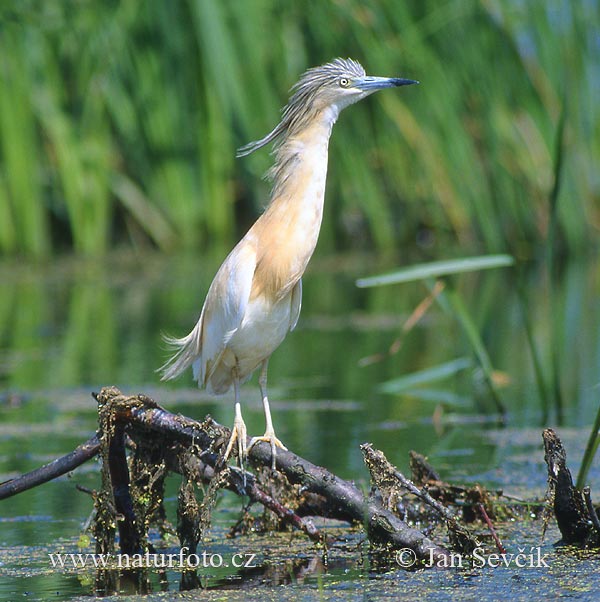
(84, 325)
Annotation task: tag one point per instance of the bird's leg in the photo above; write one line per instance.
(269, 435)
(238, 432)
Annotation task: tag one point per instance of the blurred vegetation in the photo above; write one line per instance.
(444, 291)
(119, 121)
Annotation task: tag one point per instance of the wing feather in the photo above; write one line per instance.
(221, 316)
(296, 304)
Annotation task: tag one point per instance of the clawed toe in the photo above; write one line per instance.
(238, 435)
(273, 441)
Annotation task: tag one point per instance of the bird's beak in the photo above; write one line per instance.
(371, 84)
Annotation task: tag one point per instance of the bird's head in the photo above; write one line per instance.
(335, 85)
(339, 83)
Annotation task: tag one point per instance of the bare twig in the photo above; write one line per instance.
(488, 522)
(50, 471)
(410, 323)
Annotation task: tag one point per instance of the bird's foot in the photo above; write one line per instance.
(238, 434)
(269, 437)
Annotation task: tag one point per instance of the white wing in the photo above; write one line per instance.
(221, 316)
(225, 306)
(296, 304)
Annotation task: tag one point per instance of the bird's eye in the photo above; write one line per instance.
(344, 82)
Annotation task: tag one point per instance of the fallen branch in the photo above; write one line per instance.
(146, 423)
(54, 469)
(343, 500)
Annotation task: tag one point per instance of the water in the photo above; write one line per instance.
(71, 327)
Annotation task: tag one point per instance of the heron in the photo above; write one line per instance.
(255, 297)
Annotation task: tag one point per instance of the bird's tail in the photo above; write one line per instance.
(187, 351)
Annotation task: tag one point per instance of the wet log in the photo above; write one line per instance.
(140, 417)
(575, 515)
(343, 500)
(389, 480)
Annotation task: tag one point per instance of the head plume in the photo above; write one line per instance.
(303, 94)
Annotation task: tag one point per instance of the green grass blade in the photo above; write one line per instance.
(533, 350)
(590, 452)
(433, 374)
(463, 316)
(148, 216)
(19, 153)
(551, 253)
(437, 269)
(8, 236)
(448, 398)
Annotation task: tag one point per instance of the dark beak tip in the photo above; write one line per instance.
(405, 82)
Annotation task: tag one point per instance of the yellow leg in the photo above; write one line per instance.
(238, 432)
(269, 435)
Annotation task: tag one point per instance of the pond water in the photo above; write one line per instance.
(72, 326)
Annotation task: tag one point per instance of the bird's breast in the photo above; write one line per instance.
(263, 328)
(288, 231)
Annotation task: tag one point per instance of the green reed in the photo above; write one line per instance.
(119, 121)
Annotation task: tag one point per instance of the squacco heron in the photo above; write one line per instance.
(255, 297)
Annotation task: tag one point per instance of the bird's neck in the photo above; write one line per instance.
(288, 230)
(300, 168)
